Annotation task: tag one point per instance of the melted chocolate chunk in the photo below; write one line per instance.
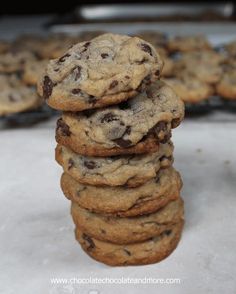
(127, 77)
(127, 252)
(77, 72)
(128, 130)
(103, 231)
(90, 164)
(89, 241)
(113, 84)
(63, 127)
(168, 232)
(63, 58)
(122, 142)
(157, 72)
(104, 55)
(75, 91)
(47, 87)
(89, 112)
(175, 122)
(92, 99)
(109, 117)
(124, 105)
(160, 126)
(70, 163)
(86, 45)
(146, 48)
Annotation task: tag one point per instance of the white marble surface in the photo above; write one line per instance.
(36, 231)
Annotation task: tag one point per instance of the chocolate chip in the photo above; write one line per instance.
(104, 55)
(89, 112)
(47, 87)
(127, 77)
(113, 84)
(92, 99)
(146, 48)
(160, 126)
(175, 122)
(157, 72)
(63, 127)
(122, 142)
(77, 72)
(127, 252)
(86, 45)
(168, 232)
(128, 130)
(63, 58)
(75, 91)
(157, 179)
(90, 164)
(103, 231)
(124, 105)
(70, 163)
(89, 240)
(109, 117)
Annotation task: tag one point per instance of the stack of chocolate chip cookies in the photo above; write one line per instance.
(115, 149)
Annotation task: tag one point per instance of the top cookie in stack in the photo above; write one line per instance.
(110, 70)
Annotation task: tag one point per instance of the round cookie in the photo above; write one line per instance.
(189, 88)
(204, 65)
(227, 85)
(30, 43)
(231, 49)
(123, 230)
(4, 46)
(187, 43)
(56, 45)
(106, 70)
(147, 252)
(130, 170)
(123, 201)
(33, 70)
(151, 113)
(12, 62)
(16, 97)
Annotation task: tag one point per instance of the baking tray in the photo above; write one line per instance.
(27, 118)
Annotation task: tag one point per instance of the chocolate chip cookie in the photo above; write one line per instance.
(33, 70)
(151, 251)
(227, 85)
(16, 97)
(12, 62)
(4, 46)
(189, 88)
(106, 70)
(231, 49)
(110, 131)
(131, 170)
(123, 230)
(188, 43)
(123, 201)
(204, 65)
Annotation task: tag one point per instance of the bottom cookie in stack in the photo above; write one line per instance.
(153, 250)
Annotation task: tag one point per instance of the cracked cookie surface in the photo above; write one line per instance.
(152, 113)
(130, 170)
(124, 201)
(106, 70)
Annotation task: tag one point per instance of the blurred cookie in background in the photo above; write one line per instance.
(33, 70)
(16, 97)
(11, 62)
(189, 88)
(226, 87)
(204, 65)
(188, 43)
